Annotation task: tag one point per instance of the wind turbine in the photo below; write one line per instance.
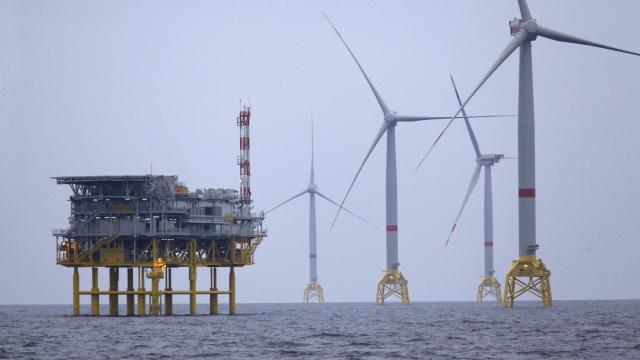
(313, 290)
(489, 285)
(524, 31)
(392, 282)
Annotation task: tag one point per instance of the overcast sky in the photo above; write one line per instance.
(111, 87)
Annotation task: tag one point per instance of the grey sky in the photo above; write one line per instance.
(89, 88)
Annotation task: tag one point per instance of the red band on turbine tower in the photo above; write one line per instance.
(392, 228)
(527, 193)
(488, 243)
(312, 256)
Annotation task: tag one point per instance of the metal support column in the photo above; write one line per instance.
(114, 274)
(155, 296)
(213, 298)
(192, 278)
(76, 292)
(155, 280)
(95, 297)
(192, 290)
(232, 291)
(130, 298)
(141, 291)
(168, 298)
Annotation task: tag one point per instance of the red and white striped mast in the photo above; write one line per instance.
(244, 160)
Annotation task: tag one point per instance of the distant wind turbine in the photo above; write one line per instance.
(313, 290)
(489, 285)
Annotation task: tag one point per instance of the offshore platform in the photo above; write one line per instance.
(154, 224)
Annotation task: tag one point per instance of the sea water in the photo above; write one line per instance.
(456, 330)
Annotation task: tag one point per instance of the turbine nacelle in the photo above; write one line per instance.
(529, 26)
(390, 117)
(489, 159)
(313, 188)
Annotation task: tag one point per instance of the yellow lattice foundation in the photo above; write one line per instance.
(489, 287)
(313, 291)
(392, 283)
(527, 274)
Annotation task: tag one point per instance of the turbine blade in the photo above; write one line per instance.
(558, 36)
(383, 106)
(403, 118)
(474, 141)
(518, 39)
(472, 185)
(524, 9)
(381, 132)
(344, 208)
(312, 176)
(432, 146)
(286, 201)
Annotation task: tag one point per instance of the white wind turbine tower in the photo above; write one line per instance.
(524, 31)
(489, 285)
(392, 282)
(313, 290)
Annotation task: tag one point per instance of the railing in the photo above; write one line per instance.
(235, 252)
(214, 230)
(224, 231)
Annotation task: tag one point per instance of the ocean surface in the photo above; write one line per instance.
(455, 330)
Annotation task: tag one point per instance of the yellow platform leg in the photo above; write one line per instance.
(392, 283)
(141, 292)
(213, 298)
(192, 290)
(155, 295)
(527, 274)
(193, 273)
(157, 272)
(313, 291)
(114, 275)
(76, 292)
(95, 297)
(232, 291)
(168, 298)
(130, 297)
(489, 286)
